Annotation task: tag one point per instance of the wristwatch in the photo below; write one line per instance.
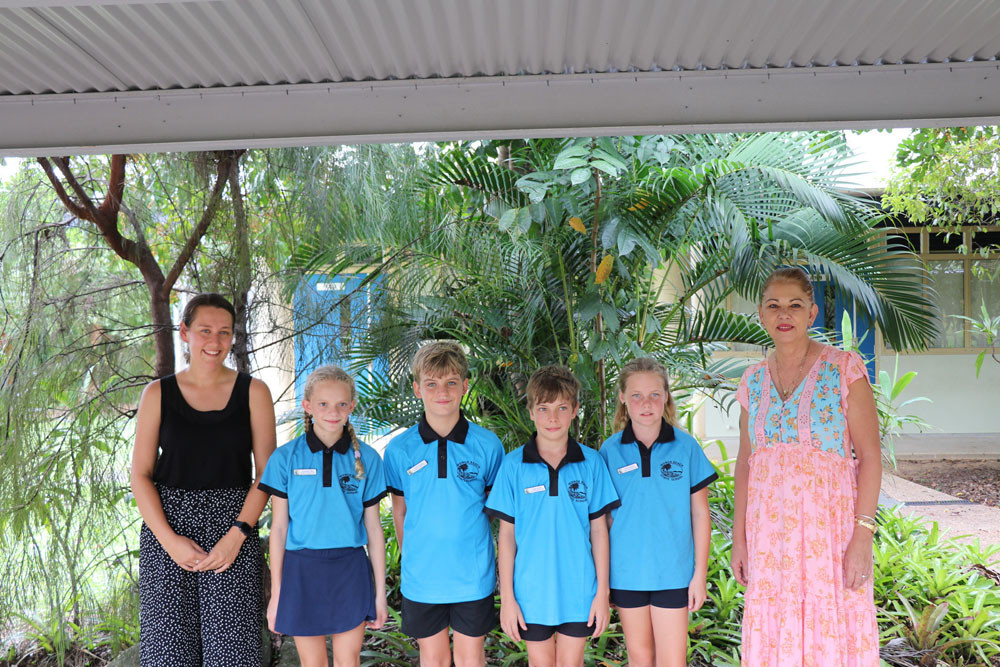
(244, 527)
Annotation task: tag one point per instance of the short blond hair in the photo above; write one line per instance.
(438, 359)
(550, 383)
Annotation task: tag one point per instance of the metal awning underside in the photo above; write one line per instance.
(92, 76)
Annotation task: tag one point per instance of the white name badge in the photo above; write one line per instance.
(535, 489)
(417, 467)
(304, 471)
(629, 468)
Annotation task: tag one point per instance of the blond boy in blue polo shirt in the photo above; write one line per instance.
(439, 473)
(552, 496)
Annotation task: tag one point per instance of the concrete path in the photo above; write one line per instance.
(959, 519)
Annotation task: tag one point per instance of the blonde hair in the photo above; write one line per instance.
(549, 383)
(644, 365)
(789, 274)
(336, 374)
(438, 358)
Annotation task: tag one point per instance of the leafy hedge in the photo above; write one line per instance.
(936, 599)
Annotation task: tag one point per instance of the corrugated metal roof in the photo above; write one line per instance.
(108, 46)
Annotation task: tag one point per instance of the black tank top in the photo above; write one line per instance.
(204, 450)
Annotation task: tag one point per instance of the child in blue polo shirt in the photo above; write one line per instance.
(326, 487)
(659, 559)
(439, 472)
(551, 496)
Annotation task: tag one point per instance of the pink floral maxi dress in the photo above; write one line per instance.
(799, 519)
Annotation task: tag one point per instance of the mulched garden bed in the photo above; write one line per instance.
(975, 481)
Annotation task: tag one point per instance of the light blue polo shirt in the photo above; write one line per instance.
(448, 553)
(551, 508)
(652, 542)
(326, 502)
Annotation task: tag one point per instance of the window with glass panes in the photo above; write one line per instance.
(963, 279)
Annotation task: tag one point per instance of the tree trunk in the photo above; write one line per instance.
(241, 327)
(137, 252)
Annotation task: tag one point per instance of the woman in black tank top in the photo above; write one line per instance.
(193, 480)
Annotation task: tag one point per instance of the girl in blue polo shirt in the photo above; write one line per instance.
(659, 557)
(326, 487)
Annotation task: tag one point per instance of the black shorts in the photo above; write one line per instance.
(539, 633)
(473, 619)
(670, 598)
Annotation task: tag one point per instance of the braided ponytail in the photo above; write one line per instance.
(359, 466)
(308, 419)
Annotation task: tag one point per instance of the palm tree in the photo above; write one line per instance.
(588, 252)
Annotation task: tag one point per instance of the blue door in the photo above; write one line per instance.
(333, 314)
(832, 307)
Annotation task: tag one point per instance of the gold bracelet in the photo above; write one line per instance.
(866, 517)
(867, 524)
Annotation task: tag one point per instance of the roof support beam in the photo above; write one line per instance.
(498, 107)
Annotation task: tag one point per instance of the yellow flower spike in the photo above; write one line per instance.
(604, 269)
(577, 224)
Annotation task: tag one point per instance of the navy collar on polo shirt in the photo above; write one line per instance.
(574, 454)
(429, 435)
(628, 437)
(341, 447)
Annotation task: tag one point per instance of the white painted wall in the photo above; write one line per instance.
(960, 402)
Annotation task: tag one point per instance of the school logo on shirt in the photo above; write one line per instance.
(578, 491)
(468, 471)
(348, 483)
(671, 470)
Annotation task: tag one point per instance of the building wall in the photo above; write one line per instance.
(960, 403)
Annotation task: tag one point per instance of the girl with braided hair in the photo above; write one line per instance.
(326, 486)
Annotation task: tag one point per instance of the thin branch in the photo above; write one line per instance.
(74, 208)
(225, 166)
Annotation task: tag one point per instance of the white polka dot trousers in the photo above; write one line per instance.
(199, 619)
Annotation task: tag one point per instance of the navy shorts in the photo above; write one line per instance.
(325, 592)
(472, 619)
(670, 598)
(539, 633)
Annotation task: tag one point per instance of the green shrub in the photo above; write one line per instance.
(936, 599)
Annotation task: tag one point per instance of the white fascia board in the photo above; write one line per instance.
(501, 107)
(34, 4)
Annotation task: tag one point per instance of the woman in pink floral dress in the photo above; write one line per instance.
(807, 483)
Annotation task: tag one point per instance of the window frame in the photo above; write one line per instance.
(967, 258)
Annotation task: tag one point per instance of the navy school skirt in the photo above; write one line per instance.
(325, 591)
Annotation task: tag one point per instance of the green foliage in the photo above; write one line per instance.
(887, 389)
(935, 598)
(947, 177)
(506, 247)
(75, 352)
(989, 327)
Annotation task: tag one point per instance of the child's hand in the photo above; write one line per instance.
(740, 562)
(272, 609)
(697, 591)
(381, 613)
(511, 620)
(600, 614)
